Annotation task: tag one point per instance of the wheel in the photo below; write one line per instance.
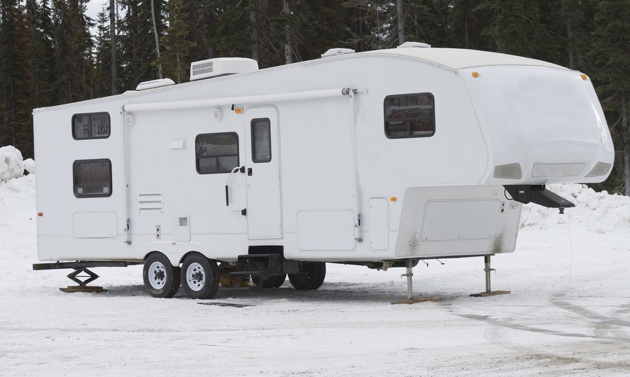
(271, 282)
(311, 278)
(160, 278)
(200, 277)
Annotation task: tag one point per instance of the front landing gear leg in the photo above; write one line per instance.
(489, 291)
(409, 275)
(89, 277)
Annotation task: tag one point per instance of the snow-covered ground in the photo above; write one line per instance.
(568, 313)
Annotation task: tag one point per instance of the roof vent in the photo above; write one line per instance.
(154, 84)
(337, 51)
(414, 44)
(220, 67)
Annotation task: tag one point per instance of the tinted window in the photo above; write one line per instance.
(261, 140)
(410, 115)
(216, 153)
(92, 178)
(91, 126)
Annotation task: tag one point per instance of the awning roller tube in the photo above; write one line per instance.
(243, 100)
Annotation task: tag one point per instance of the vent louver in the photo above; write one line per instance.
(150, 203)
(220, 67)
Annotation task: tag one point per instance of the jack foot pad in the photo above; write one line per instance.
(415, 301)
(490, 293)
(79, 288)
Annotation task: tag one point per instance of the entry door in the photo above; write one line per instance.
(264, 216)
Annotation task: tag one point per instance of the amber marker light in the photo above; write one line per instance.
(238, 110)
(475, 74)
(584, 76)
(393, 199)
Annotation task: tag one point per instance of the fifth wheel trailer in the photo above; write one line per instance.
(379, 158)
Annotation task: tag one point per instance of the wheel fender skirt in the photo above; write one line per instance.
(537, 194)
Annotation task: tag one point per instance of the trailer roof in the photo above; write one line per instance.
(455, 59)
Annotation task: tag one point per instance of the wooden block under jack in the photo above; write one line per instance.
(415, 301)
(78, 288)
(490, 293)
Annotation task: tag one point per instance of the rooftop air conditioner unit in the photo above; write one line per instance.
(220, 67)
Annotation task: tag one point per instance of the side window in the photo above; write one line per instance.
(92, 178)
(409, 115)
(216, 153)
(261, 140)
(91, 126)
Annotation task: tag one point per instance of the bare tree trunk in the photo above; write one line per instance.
(157, 39)
(288, 45)
(401, 22)
(570, 36)
(112, 35)
(252, 19)
(626, 151)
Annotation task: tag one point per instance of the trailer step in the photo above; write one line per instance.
(262, 266)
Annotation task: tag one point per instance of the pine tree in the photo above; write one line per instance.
(469, 25)
(515, 23)
(579, 23)
(428, 21)
(176, 43)
(41, 53)
(319, 25)
(16, 78)
(72, 51)
(102, 80)
(137, 41)
(371, 24)
(202, 21)
(611, 54)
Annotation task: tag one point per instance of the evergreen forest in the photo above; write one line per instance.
(52, 53)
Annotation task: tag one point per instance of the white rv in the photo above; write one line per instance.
(378, 158)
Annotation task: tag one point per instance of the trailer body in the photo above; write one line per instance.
(370, 158)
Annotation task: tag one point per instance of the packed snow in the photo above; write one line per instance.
(568, 312)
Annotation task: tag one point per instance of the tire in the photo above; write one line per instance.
(312, 277)
(271, 282)
(199, 276)
(161, 279)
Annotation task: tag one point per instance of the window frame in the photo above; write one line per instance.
(409, 134)
(90, 137)
(198, 158)
(75, 188)
(253, 140)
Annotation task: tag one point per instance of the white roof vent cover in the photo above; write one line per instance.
(154, 84)
(337, 51)
(414, 44)
(220, 67)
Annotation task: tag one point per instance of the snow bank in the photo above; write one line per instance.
(12, 164)
(594, 211)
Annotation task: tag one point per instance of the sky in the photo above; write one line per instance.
(94, 7)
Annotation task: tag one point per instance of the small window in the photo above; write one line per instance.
(92, 178)
(91, 126)
(410, 115)
(261, 140)
(216, 153)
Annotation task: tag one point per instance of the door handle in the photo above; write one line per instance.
(227, 183)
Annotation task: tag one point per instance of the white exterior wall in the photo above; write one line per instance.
(331, 169)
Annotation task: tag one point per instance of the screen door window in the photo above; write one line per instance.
(261, 140)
